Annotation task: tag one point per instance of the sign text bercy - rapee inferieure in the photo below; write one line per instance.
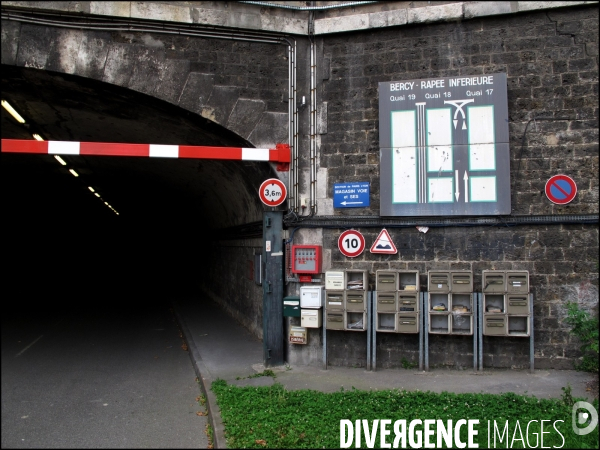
(441, 83)
(403, 87)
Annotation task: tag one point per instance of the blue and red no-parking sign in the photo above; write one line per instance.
(561, 189)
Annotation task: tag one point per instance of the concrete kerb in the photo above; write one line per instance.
(205, 379)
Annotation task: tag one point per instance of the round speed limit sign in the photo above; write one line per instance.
(351, 243)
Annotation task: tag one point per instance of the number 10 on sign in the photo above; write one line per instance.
(351, 243)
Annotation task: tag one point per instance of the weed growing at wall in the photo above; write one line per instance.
(264, 373)
(406, 364)
(585, 327)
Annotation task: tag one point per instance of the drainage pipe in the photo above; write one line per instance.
(313, 129)
(292, 130)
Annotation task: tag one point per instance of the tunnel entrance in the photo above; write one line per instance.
(63, 107)
(167, 238)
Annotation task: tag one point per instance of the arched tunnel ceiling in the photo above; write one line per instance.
(184, 192)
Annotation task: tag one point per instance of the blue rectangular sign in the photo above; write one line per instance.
(351, 195)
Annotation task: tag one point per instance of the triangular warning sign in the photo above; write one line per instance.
(384, 244)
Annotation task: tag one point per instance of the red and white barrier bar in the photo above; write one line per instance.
(280, 154)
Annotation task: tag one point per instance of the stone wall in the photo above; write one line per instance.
(229, 281)
(242, 86)
(551, 62)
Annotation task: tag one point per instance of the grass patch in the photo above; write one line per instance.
(272, 417)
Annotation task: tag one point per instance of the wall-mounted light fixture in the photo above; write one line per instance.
(38, 137)
(12, 111)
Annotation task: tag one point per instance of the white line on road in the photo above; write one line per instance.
(23, 351)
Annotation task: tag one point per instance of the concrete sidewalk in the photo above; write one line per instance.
(220, 348)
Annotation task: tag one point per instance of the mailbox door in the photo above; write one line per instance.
(408, 302)
(408, 322)
(334, 280)
(494, 282)
(386, 301)
(311, 296)
(334, 300)
(297, 335)
(291, 308)
(356, 300)
(335, 320)
(461, 281)
(438, 282)
(517, 304)
(310, 318)
(494, 325)
(517, 282)
(386, 281)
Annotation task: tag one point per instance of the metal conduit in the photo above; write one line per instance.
(254, 229)
(296, 148)
(312, 119)
(161, 31)
(307, 8)
(135, 25)
(295, 204)
(313, 129)
(196, 31)
(378, 222)
(291, 126)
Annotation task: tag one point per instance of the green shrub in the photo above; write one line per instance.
(585, 327)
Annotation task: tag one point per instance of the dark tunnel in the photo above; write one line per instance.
(169, 210)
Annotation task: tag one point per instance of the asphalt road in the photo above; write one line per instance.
(96, 376)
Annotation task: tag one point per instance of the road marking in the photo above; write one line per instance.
(23, 351)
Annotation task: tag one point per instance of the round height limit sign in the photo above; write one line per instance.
(351, 243)
(272, 192)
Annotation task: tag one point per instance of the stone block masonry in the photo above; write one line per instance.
(548, 50)
(551, 62)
